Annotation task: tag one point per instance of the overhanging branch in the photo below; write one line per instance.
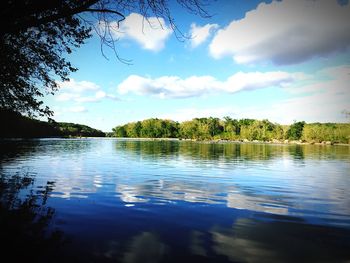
(107, 11)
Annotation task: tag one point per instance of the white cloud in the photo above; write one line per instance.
(77, 86)
(167, 86)
(200, 34)
(77, 109)
(99, 95)
(67, 96)
(285, 32)
(86, 99)
(323, 100)
(256, 80)
(175, 87)
(75, 90)
(151, 33)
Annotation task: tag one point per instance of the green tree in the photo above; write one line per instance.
(169, 128)
(215, 127)
(119, 131)
(148, 128)
(278, 132)
(259, 130)
(295, 130)
(189, 129)
(207, 128)
(333, 132)
(231, 125)
(243, 122)
(262, 130)
(133, 129)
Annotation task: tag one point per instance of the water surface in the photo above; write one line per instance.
(115, 200)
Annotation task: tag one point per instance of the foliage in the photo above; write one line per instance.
(15, 125)
(332, 132)
(201, 128)
(295, 130)
(150, 128)
(189, 130)
(73, 129)
(262, 130)
(120, 131)
(234, 129)
(18, 126)
(32, 56)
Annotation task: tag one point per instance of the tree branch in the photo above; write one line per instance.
(107, 11)
(30, 21)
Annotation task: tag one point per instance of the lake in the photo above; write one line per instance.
(129, 200)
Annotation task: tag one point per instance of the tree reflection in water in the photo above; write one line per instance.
(25, 220)
(240, 152)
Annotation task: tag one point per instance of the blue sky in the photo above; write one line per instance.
(281, 60)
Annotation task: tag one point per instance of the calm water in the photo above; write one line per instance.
(114, 200)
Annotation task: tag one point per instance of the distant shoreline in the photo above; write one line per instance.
(223, 141)
(209, 141)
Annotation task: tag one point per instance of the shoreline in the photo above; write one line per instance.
(274, 142)
(208, 141)
(223, 141)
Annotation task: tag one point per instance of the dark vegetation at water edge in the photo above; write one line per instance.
(14, 125)
(73, 129)
(234, 129)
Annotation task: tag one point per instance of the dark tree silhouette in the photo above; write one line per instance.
(35, 36)
(17, 126)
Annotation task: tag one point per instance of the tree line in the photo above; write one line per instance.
(235, 129)
(18, 126)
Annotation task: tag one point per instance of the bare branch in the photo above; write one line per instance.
(107, 11)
